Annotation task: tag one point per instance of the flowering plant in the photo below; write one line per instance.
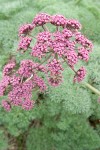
(65, 45)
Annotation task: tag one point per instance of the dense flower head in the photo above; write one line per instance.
(70, 45)
(6, 105)
(16, 95)
(55, 80)
(55, 67)
(15, 80)
(26, 68)
(8, 68)
(73, 24)
(2, 89)
(67, 33)
(44, 36)
(71, 57)
(25, 29)
(59, 37)
(51, 50)
(3, 84)
(39, 50)
(83, 54)
(28, 104)
(39, 82)
(28, 86)
(41, 19)
(59, 48)
(41, 68)
(20, 93)
(81, 39)
(80, 75)
(24, 43)
(58, 20)
(37, 67)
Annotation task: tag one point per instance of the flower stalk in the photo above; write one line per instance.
(93, 89)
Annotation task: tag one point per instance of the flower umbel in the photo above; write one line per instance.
(52, 49)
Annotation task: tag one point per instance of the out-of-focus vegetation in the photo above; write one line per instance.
(67, 117)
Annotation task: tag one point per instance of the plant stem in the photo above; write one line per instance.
(92, 88)
(57, 28)
(29, 78)
(43, 61)
(45, 28)
(32, 36)
(69, 66)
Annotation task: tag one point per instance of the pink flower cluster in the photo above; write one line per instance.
(24, 43)
(28, 104)
(65, 45)
(3, 84)
(21, 93)
(39, 50)
(25, 29)
(44, 37)
(67, 33)
(59, 48)
(39, 82)
(73, 24)
(26, 68)
(15, 80)
(20, 83)
(83, 54)
(80, 75)
(55, 69)
(8, 68)
(81, 39)
(72, 58)
(58, 36)
(41, 19)
(6, 105)
(58, 20)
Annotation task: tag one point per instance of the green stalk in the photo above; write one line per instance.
(92, 88)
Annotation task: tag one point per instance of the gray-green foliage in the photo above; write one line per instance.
(63, 111)
(3, 140)
(94, 67)
(70, 132)
(16, 122)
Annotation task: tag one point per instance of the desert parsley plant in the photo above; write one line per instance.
(66, 45)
